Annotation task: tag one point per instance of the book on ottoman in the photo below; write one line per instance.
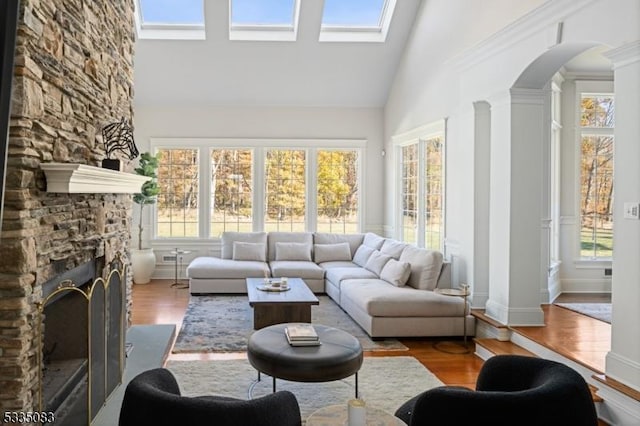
(301, 335)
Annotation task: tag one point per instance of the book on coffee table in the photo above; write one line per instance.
(301, 335)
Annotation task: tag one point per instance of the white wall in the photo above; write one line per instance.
(435, 81)
(264, 123)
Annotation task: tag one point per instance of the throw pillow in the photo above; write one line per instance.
(376, 262)
(393, 248)
(331, 252)
(249, 251)
(396, 272)
(425, 267)
(293, 251)
(362, 255)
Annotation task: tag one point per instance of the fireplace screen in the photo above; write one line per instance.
(81, 353)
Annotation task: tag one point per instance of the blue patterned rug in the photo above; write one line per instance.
(223, 323)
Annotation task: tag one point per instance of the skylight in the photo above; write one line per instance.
(170, 19)
(353, 13)
(356, 20)
(263, 19)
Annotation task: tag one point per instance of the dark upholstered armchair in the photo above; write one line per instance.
(510, 390)
(153, 398)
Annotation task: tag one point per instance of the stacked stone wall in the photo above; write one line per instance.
(73, 75)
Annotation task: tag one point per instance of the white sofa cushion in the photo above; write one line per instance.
(393, 248)
(425, 267)
(396, 272)
(214, 267)
(372, 240)
(374, 297)
(293, 268)
(338, 264)
(331, 252)
(336, 275)
(228, 238)
(293, 251)
(287, 237)
(249, 251)
(362, 255)
(354, 240)
(376, 262)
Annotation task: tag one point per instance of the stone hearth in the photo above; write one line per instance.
(73, 75)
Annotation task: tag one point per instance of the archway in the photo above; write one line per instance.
(520, 234)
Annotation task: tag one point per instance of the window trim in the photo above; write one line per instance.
(265, 32)
(604, 87)
(157, 31)
(345, 33)
(205, 146)
(419, 136)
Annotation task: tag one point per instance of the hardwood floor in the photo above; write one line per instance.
(582, 338)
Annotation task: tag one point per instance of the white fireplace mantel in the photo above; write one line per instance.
(81, 178)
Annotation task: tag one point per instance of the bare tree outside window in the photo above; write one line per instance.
(231, 191)
(596, 175)
(178, 199)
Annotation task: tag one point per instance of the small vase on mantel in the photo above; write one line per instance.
(143, 263)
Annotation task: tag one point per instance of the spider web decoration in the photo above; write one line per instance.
(119, 137)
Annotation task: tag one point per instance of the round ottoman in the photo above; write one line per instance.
(339, 355)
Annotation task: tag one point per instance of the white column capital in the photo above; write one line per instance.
(527, 96)
(624, 55)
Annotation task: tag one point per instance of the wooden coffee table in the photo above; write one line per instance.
(293, 305)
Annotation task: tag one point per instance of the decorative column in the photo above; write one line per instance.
(623, 361)
(516, 208)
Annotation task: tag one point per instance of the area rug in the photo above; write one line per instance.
(383, 382)
(223, 323)
(600, 311)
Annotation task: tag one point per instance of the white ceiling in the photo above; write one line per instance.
(306, 72)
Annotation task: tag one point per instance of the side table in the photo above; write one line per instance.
(456, 292)
(178, 253)
(337, 415)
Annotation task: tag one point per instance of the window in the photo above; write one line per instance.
(269, 20)
(170, 19)
(245, 185)
(231, 191)
(337, 182)
(421, 173)
(433, 184)
(178, 200)
(285, 190)
(356, 20)
(596, 128)
(409, 193)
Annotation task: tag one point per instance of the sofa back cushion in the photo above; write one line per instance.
(372, 240)
(425, 267)
(228, 238)
(392, 248)
(287, 237)
(354, 240)
(331, 252)
(396, 272)
(249, 251)
(376, 262)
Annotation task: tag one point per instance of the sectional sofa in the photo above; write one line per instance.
(385, 285)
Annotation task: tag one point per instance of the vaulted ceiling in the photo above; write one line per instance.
(305, 72)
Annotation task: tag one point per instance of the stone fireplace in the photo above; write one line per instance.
(73, 75)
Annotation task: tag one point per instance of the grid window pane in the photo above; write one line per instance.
(231, 190)
(597, 111)
(596, 191)
(285, 190)
(178, 200)
(337, 198)
(434, 183)
(409, 194)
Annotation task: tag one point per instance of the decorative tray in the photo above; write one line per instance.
(269, 287)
